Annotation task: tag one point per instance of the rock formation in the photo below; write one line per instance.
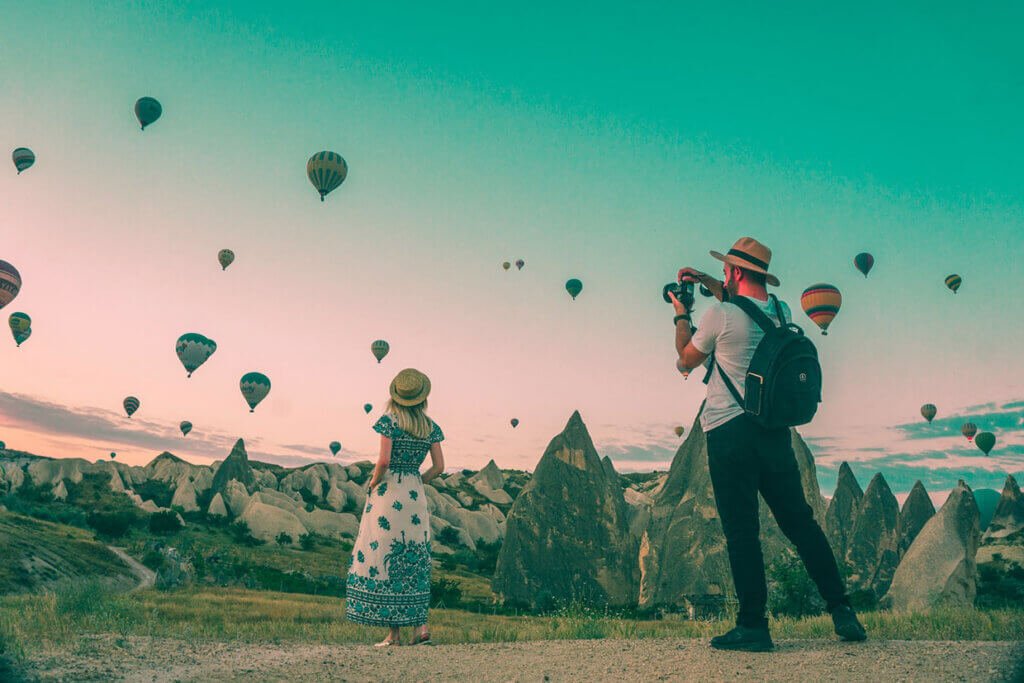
(939, 568)
(266, 522)
(842, 511)
(1000, 558)
(235, 468)
(917, 510)
(873, 551)
(683, 560)
(567, 535)
(1008, 519)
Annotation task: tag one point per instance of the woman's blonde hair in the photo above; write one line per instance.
(412, 419)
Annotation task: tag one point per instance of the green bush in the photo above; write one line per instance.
(445, 592)
(791, 592)
(164, 522)
(155, 490)
(449, 537)
(241, 533)
(307, 541)
(112, 524)
(283, 539)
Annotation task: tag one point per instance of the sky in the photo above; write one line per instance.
(613, 143)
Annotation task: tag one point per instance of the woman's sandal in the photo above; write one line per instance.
(387, 642)
(422, 640)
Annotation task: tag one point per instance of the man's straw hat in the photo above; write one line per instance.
(410, 387)
(750, 254)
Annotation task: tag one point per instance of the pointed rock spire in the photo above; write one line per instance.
(842, 510)
(235, 467)
(917, 510)
(1009, 515)
(873, 551)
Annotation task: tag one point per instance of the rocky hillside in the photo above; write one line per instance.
(38, 554)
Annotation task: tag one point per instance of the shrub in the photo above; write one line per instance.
(155, 490)
(446, 592)
(164, 522)
(791, 592)
(242, 534)
(112, 524)
(448, 536)
(283, 539)
(307, 541)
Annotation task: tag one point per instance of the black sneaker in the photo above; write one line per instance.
(847, 627)
(744, 638)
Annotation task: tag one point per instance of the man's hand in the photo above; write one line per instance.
(716, 287)
(677, 304)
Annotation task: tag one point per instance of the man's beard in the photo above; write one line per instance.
(732, 288)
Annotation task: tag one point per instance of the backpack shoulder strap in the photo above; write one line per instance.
(778, 310)
(755, 313)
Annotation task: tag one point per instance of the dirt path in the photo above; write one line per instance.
(146, 576)
(661, 659)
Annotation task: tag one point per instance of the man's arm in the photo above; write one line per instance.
(689, 356)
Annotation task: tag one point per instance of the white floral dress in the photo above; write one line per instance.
(389, 574)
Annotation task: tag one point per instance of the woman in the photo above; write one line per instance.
(389, 576)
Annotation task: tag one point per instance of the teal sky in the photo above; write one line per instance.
(614, 144)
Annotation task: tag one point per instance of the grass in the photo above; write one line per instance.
(45, 623)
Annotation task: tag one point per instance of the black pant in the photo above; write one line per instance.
(745, 458)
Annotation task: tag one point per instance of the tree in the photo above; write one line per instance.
(164, 522)
(284, 539)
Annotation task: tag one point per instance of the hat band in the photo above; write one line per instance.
(747, 257)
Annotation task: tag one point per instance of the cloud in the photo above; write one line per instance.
(988, 418)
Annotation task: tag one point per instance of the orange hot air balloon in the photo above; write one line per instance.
(969, 430)
(821, 303)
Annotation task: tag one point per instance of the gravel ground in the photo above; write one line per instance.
(661, 659)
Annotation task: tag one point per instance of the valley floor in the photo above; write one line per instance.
(669, 659)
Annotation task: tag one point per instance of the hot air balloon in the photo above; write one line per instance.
(335, 447)
(255, 386)
(131, 404)
(326, 170)
(147, 110)
(520, 263)
(20, 337)
(928, 411)
(21, 326)
(574, 287)
(367, 407)
(969, 430)
(515, 422)
(985, 441)
(821, 303)
(863, 262)
(193, 350)
(506, 265)
(185, 427)
(113, 455)
(380, 349)
(225, 257)
(23, 158)
(679, 430)
(10, 283)
(953, 282)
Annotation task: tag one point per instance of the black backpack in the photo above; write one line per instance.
(783, 383)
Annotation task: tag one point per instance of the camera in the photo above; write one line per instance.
(682, 290)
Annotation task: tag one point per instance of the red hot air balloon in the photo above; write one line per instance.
(864, 262)
(969, 430)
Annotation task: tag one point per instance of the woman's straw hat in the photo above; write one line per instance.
(410, 387)
(750, 254)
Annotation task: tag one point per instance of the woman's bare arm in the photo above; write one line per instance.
(437, 465)
(382, 463)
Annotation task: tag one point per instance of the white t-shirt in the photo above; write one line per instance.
(733, 336)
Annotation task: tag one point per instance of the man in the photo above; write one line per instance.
(744, 457)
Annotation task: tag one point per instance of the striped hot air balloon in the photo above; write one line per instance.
(255, 386)
(985, 441)
(23, 158)
(969, 430)
(326, 170)
(185, 427)
(147, 110)
(193, 350)
(574, 287)
(131, 404)
(864, 262)
(821, 303)
(21, 337)
(928, 411)
(379, 349)
(335, 447)
(10, 283)
(953, 282)
(520, 263)
(225, 257)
